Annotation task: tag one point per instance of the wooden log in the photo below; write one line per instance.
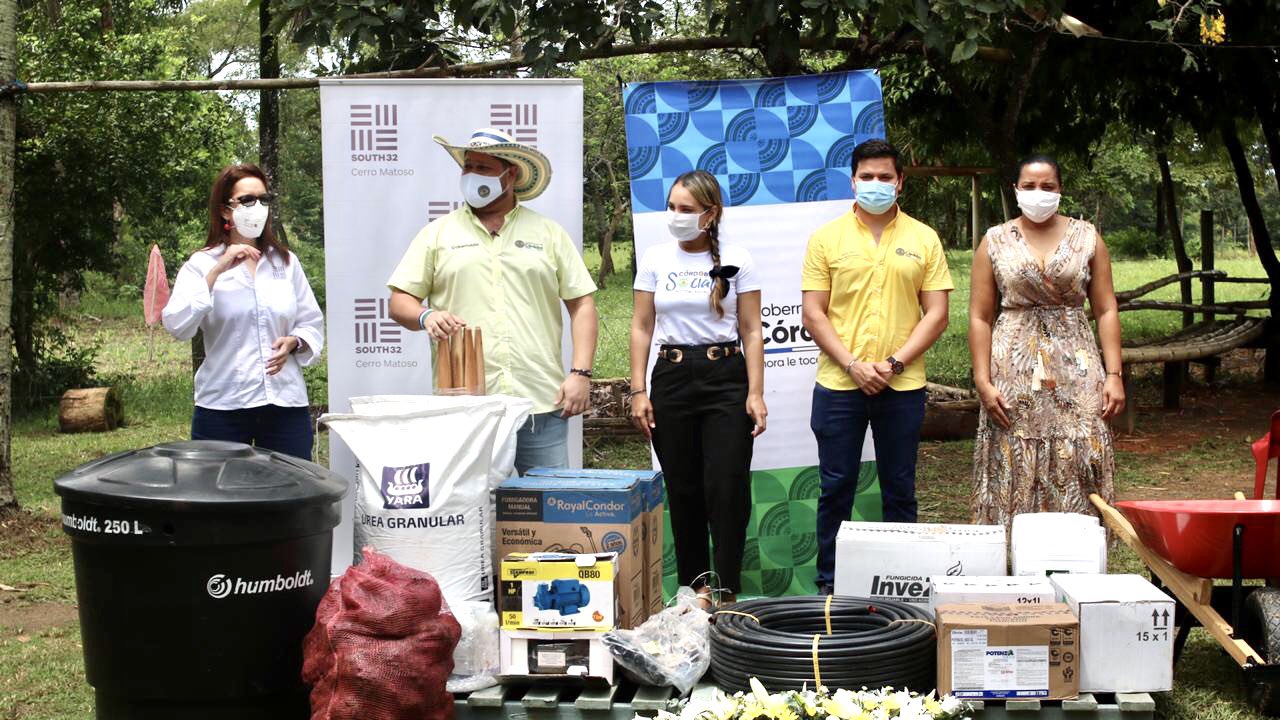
(1231, 308)
(444, 365)
(90, 410)
(1123, 297)
(955, 420)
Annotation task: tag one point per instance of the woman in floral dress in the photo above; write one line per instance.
(1043, 441)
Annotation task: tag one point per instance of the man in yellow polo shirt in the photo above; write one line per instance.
(875, 286)
(499, 266)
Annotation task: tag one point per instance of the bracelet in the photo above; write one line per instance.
(579, 371)
(634, 393)
(422, 319)
(299, 346)
(850, 364)
(1115, 373)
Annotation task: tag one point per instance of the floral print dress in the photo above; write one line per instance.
(1046, 364)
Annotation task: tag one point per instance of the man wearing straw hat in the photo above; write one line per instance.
(499, 266)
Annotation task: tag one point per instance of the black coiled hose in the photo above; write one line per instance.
(871, 644)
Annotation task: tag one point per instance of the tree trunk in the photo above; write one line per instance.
(268, 103)
(1160, 213)
(1262, 238)
(1175, 232)
(618, 214)
(8, 126)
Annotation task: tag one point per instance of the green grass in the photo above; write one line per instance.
(44, 676)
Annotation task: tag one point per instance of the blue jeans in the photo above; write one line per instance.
(543, 441)
(839, 421)
(268, 427)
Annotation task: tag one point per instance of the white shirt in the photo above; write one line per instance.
(241, 318)
(681, 291)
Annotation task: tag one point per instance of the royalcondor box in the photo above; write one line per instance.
(579, 515)
(652, 531)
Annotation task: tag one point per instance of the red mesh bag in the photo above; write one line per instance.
(382, 647)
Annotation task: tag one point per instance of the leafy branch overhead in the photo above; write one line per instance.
(399, 34)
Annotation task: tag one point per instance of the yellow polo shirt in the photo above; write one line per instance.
(509, 285)
(875, 289)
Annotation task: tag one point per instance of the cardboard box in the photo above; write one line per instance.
(558, 590)
(1126, 632)
(1008, 651)
(554, 655)
(990, 589)
(652, 531)
(894, 561)
(579, 515)
(1049, 543)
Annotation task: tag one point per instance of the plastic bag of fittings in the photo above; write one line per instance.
(669, 649)
(475, 660)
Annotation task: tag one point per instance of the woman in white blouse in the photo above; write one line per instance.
(261, 323)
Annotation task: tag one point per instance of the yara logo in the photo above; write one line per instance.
(406, 488)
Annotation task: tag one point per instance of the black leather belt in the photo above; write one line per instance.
(677, 353)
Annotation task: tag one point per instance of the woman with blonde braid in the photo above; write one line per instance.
(706, 397)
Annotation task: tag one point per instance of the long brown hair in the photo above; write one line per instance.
(704, 188)
(220, 197)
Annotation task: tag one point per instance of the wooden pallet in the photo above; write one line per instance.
(625, 700)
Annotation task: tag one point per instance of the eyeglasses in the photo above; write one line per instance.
(251, 200)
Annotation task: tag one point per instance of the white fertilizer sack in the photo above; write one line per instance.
(424, 472)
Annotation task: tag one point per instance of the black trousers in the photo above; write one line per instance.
(703, 441)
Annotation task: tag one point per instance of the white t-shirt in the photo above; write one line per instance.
(681, 291)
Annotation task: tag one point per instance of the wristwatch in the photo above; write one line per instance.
(579, 371)
(896, 364)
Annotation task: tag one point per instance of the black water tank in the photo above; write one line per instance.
(199, 566)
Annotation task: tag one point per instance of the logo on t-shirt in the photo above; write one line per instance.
(529, 245)
(690, 281)
(908, 253)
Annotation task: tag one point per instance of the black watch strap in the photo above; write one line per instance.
(580, 371)
(896, 364)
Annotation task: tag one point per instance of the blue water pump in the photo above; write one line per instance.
(567, 596)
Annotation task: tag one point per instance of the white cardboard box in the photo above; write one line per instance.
(555, 654)
(1048, 543)
(990, 590)
(894, 561)
(1126, 632)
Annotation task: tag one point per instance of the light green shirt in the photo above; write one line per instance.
(509, 285)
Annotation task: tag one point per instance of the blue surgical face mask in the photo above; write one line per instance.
(874, 196)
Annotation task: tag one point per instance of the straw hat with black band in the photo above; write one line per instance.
(533, 168)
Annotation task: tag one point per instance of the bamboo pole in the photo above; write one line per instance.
(469, 357)
(458, 369)
(444, 365)
(482, 382)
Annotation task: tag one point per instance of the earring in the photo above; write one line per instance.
(226, 227)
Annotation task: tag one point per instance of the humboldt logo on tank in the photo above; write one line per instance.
(406, 488)
(220, 585)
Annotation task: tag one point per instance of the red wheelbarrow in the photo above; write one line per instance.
(1189, 543)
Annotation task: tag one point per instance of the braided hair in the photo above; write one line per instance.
(704, 188)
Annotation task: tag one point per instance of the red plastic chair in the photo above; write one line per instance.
(1267, 447)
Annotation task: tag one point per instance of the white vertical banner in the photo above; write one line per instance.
(384, 179)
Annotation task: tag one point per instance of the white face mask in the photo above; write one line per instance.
(684, 226)
(480, 190)
(1038, 205)
(250, 221)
